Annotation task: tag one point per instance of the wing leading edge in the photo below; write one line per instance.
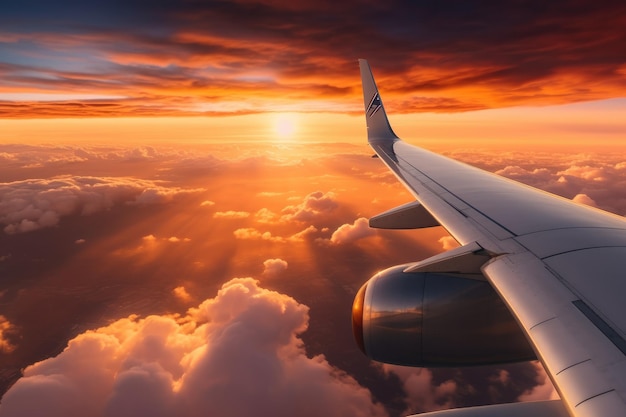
(558, 266)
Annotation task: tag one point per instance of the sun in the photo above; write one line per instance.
(285, 125)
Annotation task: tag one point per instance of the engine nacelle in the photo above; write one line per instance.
(433, 319)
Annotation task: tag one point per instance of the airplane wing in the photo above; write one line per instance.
(559, 267)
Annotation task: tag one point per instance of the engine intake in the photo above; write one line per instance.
(434, 320)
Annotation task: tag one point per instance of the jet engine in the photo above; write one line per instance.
(433, 319)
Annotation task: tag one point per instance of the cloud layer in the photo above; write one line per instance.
(155, 260)
(32, 204)
(236, 354)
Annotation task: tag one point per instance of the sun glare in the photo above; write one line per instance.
(285, 125)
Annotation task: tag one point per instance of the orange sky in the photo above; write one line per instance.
(586, 126)
(491, 75)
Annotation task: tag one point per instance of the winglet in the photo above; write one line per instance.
(378, 127)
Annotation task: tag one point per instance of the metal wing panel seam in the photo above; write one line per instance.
(582, 249)
(468, 205)
(594, 396)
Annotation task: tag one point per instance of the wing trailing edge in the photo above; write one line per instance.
(549, 408)
(466, 259)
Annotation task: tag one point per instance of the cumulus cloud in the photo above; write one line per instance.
(207, 203)
(6, 330)
(150, 243)
(181, 293)
(174, 239)
(305, 234)
(250, 233)
(584, 199)
(585, 172)
(273, 267)
(520, 174)
(314, 204)
(265, 215)
(544, 390)
(33, 204)
(231, 214)
(448, 242)
(422, 393)
(238, 354)
(347, 233)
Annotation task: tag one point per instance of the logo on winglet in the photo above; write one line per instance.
(374, 106)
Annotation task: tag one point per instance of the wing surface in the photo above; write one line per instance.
(559, 266)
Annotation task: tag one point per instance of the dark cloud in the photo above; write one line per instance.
(173, 57)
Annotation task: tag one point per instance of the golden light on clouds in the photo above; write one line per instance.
(164, 227)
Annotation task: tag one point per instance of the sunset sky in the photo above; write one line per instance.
(185, 187)
(250, 59)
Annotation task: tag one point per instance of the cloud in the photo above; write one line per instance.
(239, 353)
(151, 244)
(585, 172)
(265, 215)
(181, 293)
(312, 206)
(584, 199)
(422, 392)
(207, 203)
(6, 331)
(29, 205)
(348, 233)
(543, 390)
(174, 239)
(303, 235)
(250, 233)
(273, 267)
(448, 242)
(521, 174)
(231, 214)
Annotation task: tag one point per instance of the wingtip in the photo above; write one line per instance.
(378, 127)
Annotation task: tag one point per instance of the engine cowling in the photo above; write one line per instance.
(435, 319)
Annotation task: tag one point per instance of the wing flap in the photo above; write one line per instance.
(466, 259)
(598, 277)
(581, 361)
(412, 215)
